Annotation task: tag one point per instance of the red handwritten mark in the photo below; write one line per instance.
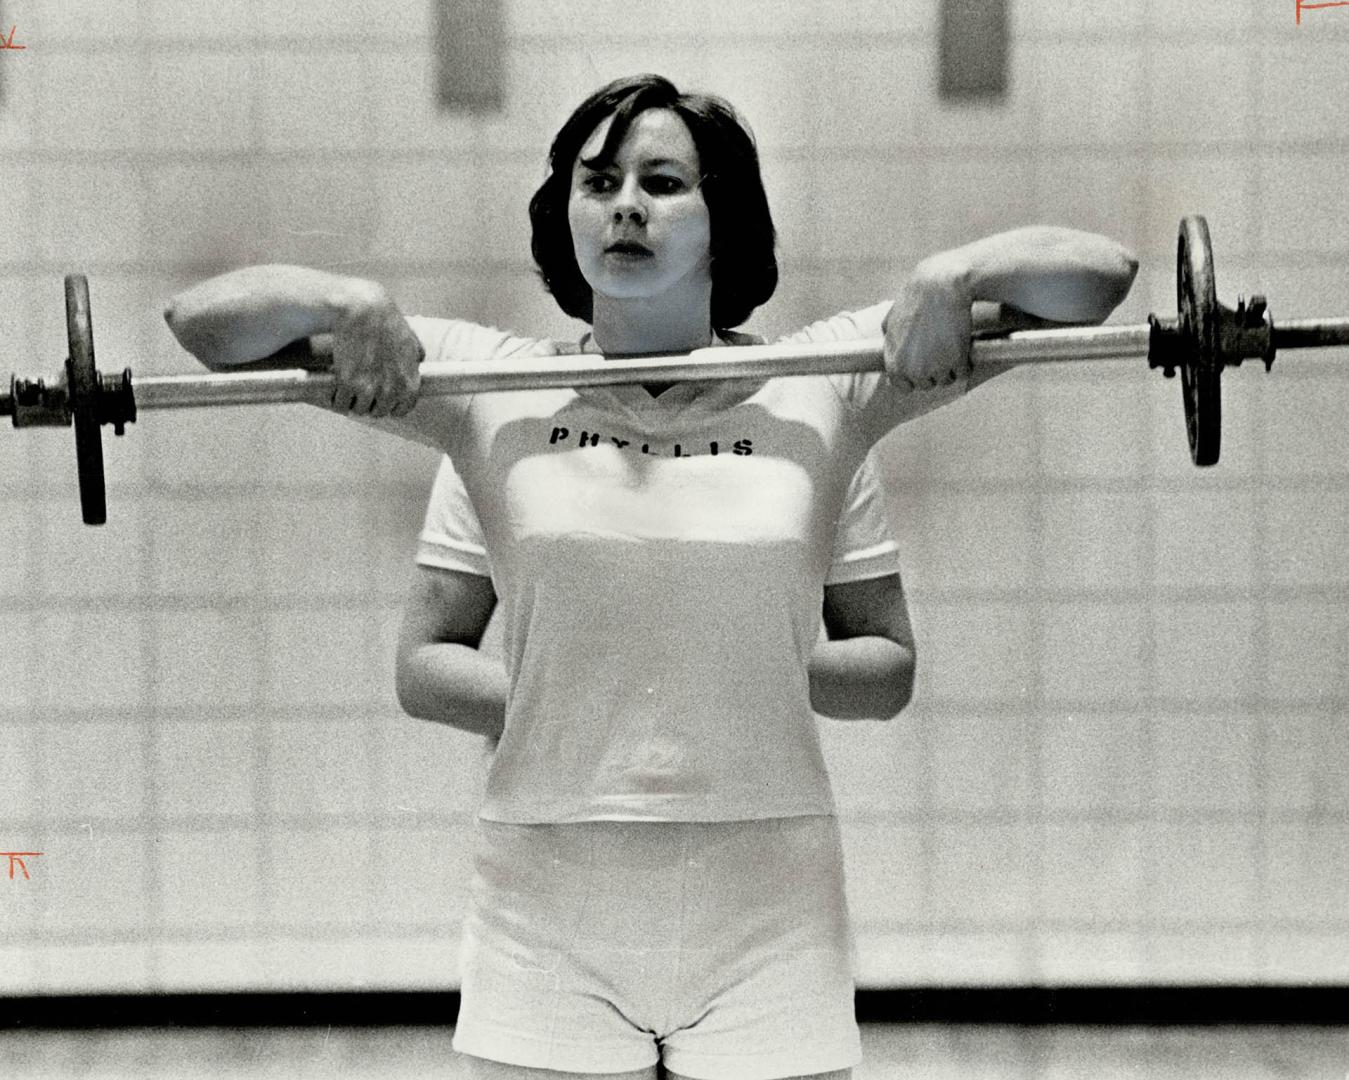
(1302, 6)
(8, 43)
(18, 857)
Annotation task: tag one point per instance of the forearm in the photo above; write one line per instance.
(861, 678)
(248, 314)
(456, 685)
(1047, 271)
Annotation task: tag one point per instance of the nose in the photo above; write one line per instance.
(629, 205)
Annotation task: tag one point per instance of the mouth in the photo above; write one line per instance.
(628, 248)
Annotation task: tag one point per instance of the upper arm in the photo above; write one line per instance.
(863, 544)
(446, 606)
(871, 607)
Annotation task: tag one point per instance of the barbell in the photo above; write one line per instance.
(1204, 337)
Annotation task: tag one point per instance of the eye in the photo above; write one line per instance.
(598, 183)
(663, 184)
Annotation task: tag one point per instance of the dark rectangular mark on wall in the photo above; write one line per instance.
(973, 61)
(469, 39)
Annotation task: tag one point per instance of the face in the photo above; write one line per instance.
(639, 224)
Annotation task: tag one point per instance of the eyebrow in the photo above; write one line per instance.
(648, 163)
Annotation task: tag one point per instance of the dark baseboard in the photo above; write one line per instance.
(1150, 1006)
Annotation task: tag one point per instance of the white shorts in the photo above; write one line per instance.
(722, 948)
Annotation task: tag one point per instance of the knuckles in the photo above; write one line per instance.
(366, 385)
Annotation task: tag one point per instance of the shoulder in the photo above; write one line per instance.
(867, 322)
(459, 339)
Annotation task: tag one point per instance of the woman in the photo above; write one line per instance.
(658, 876)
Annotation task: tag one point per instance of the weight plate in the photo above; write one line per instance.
(82, 384)
(1201, 366)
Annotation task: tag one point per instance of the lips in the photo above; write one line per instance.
(627, 247)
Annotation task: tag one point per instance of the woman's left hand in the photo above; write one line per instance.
(929, 326)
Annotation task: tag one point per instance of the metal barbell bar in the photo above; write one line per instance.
(1203, 338)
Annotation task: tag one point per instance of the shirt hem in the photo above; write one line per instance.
(449, 557)
(880, 560)
(615, 813)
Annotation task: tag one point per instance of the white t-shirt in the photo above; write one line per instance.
(451, 537)
(660, 564)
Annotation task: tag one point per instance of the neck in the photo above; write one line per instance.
(667, 323)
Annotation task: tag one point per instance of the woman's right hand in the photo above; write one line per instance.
(376, 356)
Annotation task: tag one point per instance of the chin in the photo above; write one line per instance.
(628, 287)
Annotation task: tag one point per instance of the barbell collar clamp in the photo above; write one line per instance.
(116, 401)
(32, 403)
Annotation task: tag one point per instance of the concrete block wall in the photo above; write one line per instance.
(1125, 761)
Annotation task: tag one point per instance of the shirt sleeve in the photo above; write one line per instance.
(863, 546)
(878, 405)
(457, 339)
(451, 537)
(437, 420)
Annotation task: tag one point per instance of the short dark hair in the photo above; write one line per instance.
(744, 262)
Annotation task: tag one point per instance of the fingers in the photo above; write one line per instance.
(364, 397)
(932, 382)
(403, 408)
(376, 360)
(355, 400)
(393, 401)
(923, 357)
(376, 379)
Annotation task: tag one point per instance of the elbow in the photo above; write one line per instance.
(1128, 266)
(403, 691)
(1109, 272)
(901, 686)
(903, 706)
(884, 697)
(193, 333)
(1119, 269)
(878, 686)
(902, 700)
(187, 334)
(899, 700)
(407, 686)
